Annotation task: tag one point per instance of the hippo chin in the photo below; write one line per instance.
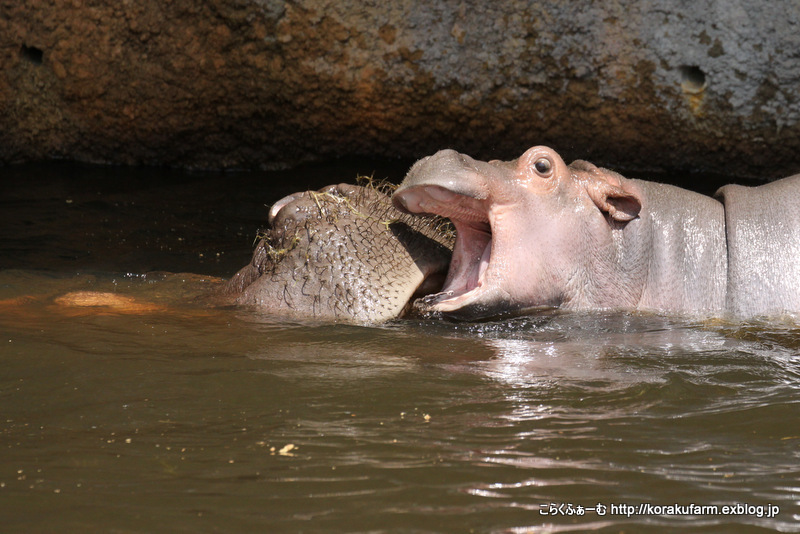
(536, 233)
(342, 253)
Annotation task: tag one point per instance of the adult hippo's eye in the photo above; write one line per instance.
(543, 166)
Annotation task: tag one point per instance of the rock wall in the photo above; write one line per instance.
(708, 84)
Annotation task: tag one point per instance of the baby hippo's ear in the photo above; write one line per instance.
(621, 205)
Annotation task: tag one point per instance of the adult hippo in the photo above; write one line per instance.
(537, 233)
(342, 253)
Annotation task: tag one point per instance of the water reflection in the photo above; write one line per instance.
(582, 388)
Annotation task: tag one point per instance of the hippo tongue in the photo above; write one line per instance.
(471, 257)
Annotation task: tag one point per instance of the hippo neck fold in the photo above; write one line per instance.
(687, 257)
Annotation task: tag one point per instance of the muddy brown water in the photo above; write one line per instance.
(225, 421)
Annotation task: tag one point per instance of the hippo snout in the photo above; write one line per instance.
(438, 179)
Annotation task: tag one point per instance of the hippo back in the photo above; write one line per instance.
(763, 232)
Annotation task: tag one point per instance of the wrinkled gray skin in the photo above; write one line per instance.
(342, 253)
(536, 233)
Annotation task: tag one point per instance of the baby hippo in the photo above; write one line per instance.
(536, 233)
(343, 253)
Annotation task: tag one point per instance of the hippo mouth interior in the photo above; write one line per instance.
(472, 253)
(471, 256)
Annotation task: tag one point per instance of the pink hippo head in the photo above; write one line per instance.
(531, 233)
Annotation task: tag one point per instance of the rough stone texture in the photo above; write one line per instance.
(260, 83)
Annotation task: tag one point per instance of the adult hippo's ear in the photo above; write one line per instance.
(619, 204)
(279, 205)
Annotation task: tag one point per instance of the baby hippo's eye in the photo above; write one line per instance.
(543, 166)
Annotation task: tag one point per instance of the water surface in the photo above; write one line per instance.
(197, 420)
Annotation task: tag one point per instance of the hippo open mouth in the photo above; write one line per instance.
(471, 263)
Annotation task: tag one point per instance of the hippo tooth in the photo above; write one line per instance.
(485, 260)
